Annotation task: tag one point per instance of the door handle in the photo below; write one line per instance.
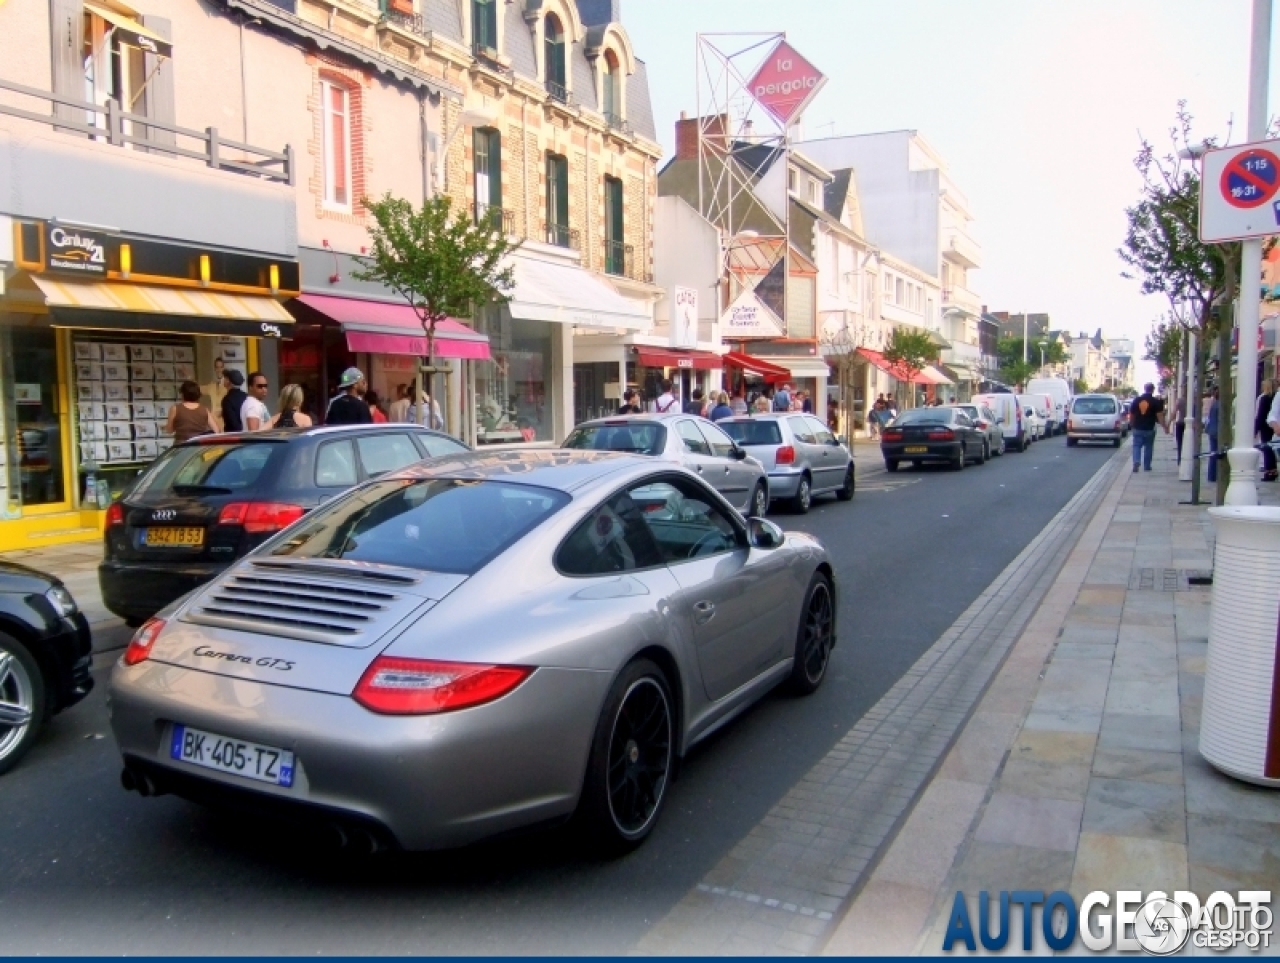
(703, 611)
(699, 468)
(726, 469)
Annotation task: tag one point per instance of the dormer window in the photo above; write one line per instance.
(554, 53)
(484, 25)
(611, 103)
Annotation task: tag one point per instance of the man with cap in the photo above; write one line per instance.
(349, 408)
(233, 400)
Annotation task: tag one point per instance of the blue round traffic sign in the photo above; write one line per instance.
(1250, 179)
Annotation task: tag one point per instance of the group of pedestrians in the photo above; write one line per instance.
(244, 407)
(716, 405)
(883, 411)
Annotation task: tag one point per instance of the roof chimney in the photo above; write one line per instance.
(687, 134)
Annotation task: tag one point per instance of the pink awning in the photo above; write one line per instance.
(382, 328)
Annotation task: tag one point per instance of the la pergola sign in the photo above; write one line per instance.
(1239, 190)
(785, 83)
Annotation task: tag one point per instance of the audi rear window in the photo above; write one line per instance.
(432, 525)
(207, 469)
(639, 437)
(924, 416)
(753, 432)
(1094, 406)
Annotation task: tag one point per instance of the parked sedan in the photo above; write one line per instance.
(476, 645)
(204, 504)
(45, 656)
(801, 455)
(989, 423)
(685, 440)
(932, 435)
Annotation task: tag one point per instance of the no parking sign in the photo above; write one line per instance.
(1238, 192)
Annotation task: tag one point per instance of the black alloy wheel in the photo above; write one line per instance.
(815, 638)
(845, 492)
(631, 760)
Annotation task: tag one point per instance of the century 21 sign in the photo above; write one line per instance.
(75, 251)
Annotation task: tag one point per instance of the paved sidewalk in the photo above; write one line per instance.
(1079, 769)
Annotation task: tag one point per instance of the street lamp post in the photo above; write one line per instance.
(1043, 345)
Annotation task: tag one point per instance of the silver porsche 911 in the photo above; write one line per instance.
(472, 645)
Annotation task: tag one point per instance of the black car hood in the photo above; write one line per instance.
(15, 578)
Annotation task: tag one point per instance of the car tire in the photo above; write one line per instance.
(634, 741)
(759, 504)
(815, 637)
(986, 454)
(23, 701)
(1072, 442)
(845, 492)
(1003, 448)
(891, 464)
(958, 463)
(1115, 443)
(803, 499)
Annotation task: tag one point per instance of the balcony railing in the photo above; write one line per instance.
(112, 124)
(490, 59)
(496, 217)
(620, 261)
(562, 235)
(617, 122)
(411, 22)
(559, 92)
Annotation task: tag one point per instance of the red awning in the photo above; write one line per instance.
(757, 366)
(678, 358)
(382, 328)
(926, 376)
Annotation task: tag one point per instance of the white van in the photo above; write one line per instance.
(1060, 392)
(1034, 408)
(1016, 434)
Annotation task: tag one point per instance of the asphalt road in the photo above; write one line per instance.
(89, 868)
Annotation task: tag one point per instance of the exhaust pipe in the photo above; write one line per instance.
(138, 782)
(351, 839)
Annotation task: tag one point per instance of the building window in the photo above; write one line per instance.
(336, 137)
(488, 176)
(558, 201)
(899, 292)
(791, 181)
(484, 24)
(553, 52)
(113, 70)
(514, 393)
(612, 101)
(815, 192)
(615, 261)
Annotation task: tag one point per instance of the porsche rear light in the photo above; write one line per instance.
(399, 686)
(115, 514)
(786, 455)
(140, 645)
(892, 434)
(944, 434)
(258, 517)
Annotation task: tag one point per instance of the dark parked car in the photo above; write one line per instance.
(45, 656)
(204, 504)
(933, 435)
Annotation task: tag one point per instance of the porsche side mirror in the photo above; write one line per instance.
(765, 534)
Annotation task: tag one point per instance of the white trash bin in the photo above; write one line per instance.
(1240, 719)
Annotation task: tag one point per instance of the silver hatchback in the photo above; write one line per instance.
(801, 455)
(686, 440)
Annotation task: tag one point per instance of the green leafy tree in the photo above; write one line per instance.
(443, 263)
(1163, 346)
(909, 350)
(1080, 387)
(1009, 358)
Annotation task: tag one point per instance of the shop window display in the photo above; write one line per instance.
(33, 450)
(513, 391)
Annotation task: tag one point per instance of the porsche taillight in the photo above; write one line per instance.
(140, 645)
(393, 685)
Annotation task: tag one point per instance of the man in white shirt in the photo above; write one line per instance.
(400, 407)
(666, 401)
(254, 414)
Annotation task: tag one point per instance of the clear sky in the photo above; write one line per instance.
(1036, 106)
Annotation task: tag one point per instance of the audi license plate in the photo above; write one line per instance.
(916, 449)
(174, 537)
(240, 758)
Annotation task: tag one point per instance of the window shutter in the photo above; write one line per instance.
(160, 105)
(799, 307)
(495, 168)
(66, 32)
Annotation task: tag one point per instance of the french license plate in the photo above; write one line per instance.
(916, 449)
(240, 758)
(174, 536)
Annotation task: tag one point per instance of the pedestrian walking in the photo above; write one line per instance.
(782, 398)
(762, 405)
(629, 404)
(1145, 413)
(254, 414)
(290, 414)
(722, 409)
(1211, 421)
(666, 401)
(434, 420)
(233, 400)
(806, 403)
(188, 418)
(1265, 434)
(375, 407)
(694, 405)
(1180, 424)
(400, 406)
(739, 401)
(349, 407)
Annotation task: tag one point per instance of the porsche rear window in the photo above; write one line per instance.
(434, 525)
